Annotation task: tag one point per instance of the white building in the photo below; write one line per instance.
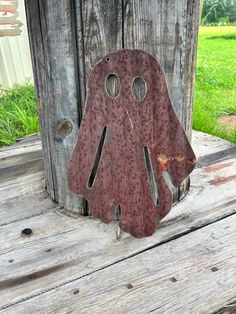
(15, 60)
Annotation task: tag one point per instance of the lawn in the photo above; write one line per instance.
(215, 90)
(18, 113)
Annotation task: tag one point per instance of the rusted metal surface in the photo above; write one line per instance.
(122, 177)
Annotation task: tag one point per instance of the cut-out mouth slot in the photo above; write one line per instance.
(97, 158)
(151, 176)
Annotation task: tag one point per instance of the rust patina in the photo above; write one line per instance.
(121, 176)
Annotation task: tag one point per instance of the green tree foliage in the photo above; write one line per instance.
(219, 12)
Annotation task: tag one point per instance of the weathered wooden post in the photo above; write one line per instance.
(68, 38)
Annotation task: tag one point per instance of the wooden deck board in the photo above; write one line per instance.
(63, 250)
(195, 273)
(23, 197)
(204, 144)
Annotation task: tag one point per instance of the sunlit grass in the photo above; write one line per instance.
(215, 88)
(18, 113)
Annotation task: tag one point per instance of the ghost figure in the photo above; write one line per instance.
(129, 128)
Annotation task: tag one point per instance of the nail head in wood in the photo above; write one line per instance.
(27, 232)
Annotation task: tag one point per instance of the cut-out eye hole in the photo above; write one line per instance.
(139, 88)
(112, 85)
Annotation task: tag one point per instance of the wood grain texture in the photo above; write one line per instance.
(192, 274)
(78, 34)
(20, 145)
(40, 70)
(23, 196)
(22, 164)
(98, 30)
(172, 38)
(53, 47)
(22, 158)
(69, 37)
(229, 308)
(102, 30)
(229, 153)
(206, 144)
(62, 249)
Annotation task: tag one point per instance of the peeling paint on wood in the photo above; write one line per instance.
(214, 168)
(218, 180)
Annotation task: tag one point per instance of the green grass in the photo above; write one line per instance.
(215, 88)
(18, 113)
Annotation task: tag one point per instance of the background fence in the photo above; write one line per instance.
(15, 60)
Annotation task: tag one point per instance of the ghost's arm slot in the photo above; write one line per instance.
(83, 161)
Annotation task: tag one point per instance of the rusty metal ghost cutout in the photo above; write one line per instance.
(136, 137)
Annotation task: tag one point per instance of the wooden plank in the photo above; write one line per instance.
(40, 77)
(227, 309)
(211, 149)
(25, 143)
(22, 158)
(23, 197)
(195, 273)
(205, 144)
(13, 152)
(28, 139)
(63, 249)
(28, 162)
(224, 155)
(53, 45)
(98, 31)
(102, 30)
